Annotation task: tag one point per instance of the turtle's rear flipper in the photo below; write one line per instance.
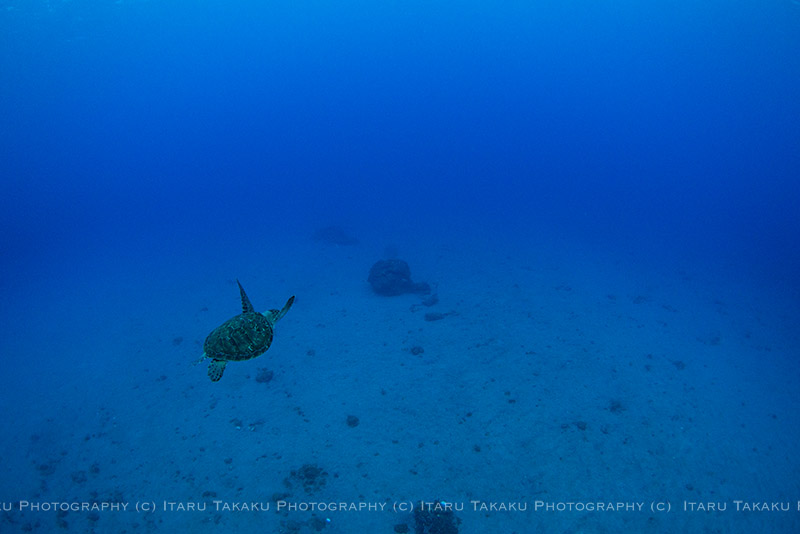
(215, 369)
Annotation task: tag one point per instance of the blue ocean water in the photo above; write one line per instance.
(602, 196)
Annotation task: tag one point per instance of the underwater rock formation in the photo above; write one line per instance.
(334, 235)
(393, 277)
(435, 517)
(311, 476)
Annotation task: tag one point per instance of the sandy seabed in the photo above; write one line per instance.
(563, 389)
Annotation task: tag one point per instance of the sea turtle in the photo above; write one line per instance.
(240, 338)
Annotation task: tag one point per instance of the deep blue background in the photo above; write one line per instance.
(650, 126)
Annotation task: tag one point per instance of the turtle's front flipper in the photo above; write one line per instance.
(246, 306)
(215, 369)
(275, 315)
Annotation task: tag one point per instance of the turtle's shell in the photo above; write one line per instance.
(241, 338)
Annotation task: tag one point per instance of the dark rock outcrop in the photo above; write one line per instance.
(393, 277)
(334, 236)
